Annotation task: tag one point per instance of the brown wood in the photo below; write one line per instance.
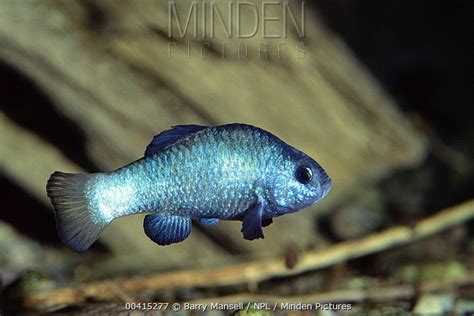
(114, 78)
(255, 271)
(125, 237)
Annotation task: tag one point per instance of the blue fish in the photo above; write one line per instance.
(227, 172)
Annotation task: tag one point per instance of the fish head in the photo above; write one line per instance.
(297, 182)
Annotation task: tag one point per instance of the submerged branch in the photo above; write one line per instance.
(256, 271)
(375, 294)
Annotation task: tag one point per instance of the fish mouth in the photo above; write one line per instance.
(326, 186)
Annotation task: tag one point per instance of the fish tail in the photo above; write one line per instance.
(76, 224)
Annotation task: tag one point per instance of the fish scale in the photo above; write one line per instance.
(226, 172)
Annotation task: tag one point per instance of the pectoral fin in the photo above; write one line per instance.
(266, 222)
(252, 225)
(167, 229)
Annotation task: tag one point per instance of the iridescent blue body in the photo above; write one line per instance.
(228, 172)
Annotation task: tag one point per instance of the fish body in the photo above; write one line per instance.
(227, 172)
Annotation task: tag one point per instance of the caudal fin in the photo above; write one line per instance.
(77, 226)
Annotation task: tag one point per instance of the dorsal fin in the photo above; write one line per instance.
(171, 136)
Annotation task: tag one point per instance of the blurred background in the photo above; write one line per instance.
(380, 93)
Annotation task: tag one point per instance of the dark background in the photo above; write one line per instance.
(420, 51)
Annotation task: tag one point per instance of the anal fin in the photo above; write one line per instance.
(167, 229)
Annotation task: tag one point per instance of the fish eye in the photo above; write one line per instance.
(304, 174)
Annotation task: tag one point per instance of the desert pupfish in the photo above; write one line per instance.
(227, 172)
